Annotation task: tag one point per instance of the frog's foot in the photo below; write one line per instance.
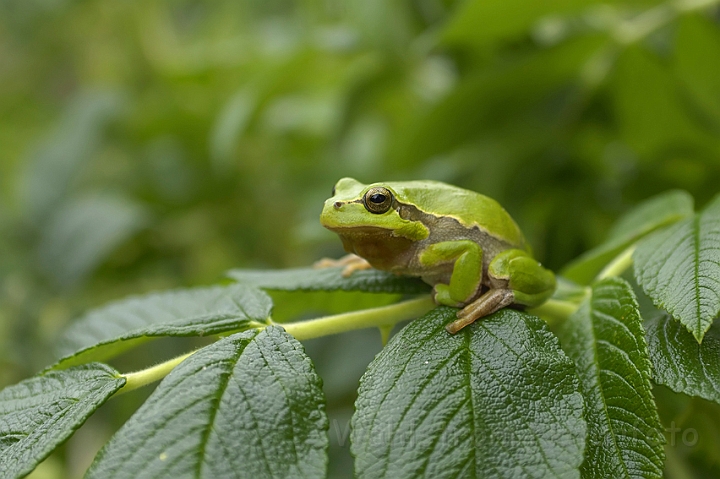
(350, 263)
(486, 304)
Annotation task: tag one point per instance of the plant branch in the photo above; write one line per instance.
(366, 318)
(618, 265)
(147, 376)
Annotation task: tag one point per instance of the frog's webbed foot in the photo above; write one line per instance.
(350, 263)
(493, 300)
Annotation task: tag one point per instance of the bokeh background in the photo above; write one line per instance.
(156, 144)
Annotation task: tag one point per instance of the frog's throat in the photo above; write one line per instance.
(380, 247)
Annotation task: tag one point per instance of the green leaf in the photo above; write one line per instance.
(329, 279)
(498, 399)
(679, 268)
(53, 169)
(697, 59)
(249, 405)
(80, 235)
(661, 210)
(105, 332)
(606, 340)
(681, 363)
(498, 99)
(40, 413)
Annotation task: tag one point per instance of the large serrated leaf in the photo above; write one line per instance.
(645, 218)
(606, 340)
(681, 363)
(329, 279)
(679, 268)
(40, 413)
(499, 399)
(109, 330)
(248, 406)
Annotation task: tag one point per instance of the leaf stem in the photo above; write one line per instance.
(366, 318)
(144, 377)
(618, 265)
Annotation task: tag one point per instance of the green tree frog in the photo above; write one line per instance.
(462, 243)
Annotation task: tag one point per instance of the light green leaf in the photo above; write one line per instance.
(498, 100)
(229, 126)
(697, 61)
(248, 406)
(329, 279)
(606, 340)
(107, 331)
(681, 363)
(49, 174)
(40, 413)
(661, 210)
(80, 235)
(498, 399)
(679, 268)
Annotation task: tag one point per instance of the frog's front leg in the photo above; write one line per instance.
(349, 263)
(515, 278)
(466, 278)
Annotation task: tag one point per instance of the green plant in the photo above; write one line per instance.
(510, 396)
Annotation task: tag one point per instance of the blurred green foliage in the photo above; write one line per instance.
(150, 145)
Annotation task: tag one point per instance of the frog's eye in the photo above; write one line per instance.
(333, 192)
(378, 200)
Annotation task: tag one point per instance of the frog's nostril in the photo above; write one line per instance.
(337, 205)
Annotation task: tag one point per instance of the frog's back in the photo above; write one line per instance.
(469, 208)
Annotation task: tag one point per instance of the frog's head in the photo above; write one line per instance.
(362, 210)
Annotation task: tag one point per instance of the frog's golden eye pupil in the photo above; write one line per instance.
(378, 200)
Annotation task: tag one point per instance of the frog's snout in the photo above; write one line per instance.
(337, 205)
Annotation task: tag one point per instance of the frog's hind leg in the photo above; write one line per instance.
(488, 303)
(514, 277)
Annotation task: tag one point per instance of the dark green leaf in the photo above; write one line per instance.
(681, 363)
(329, 279)
(250, 405)
(40, 413)
(606, 340)
(661, 210)
(107, 331)
(679, 268)
(498, 399)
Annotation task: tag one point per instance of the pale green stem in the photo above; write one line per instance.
(618, 265)
(150, 375)
(382, 317)
(366, 318)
